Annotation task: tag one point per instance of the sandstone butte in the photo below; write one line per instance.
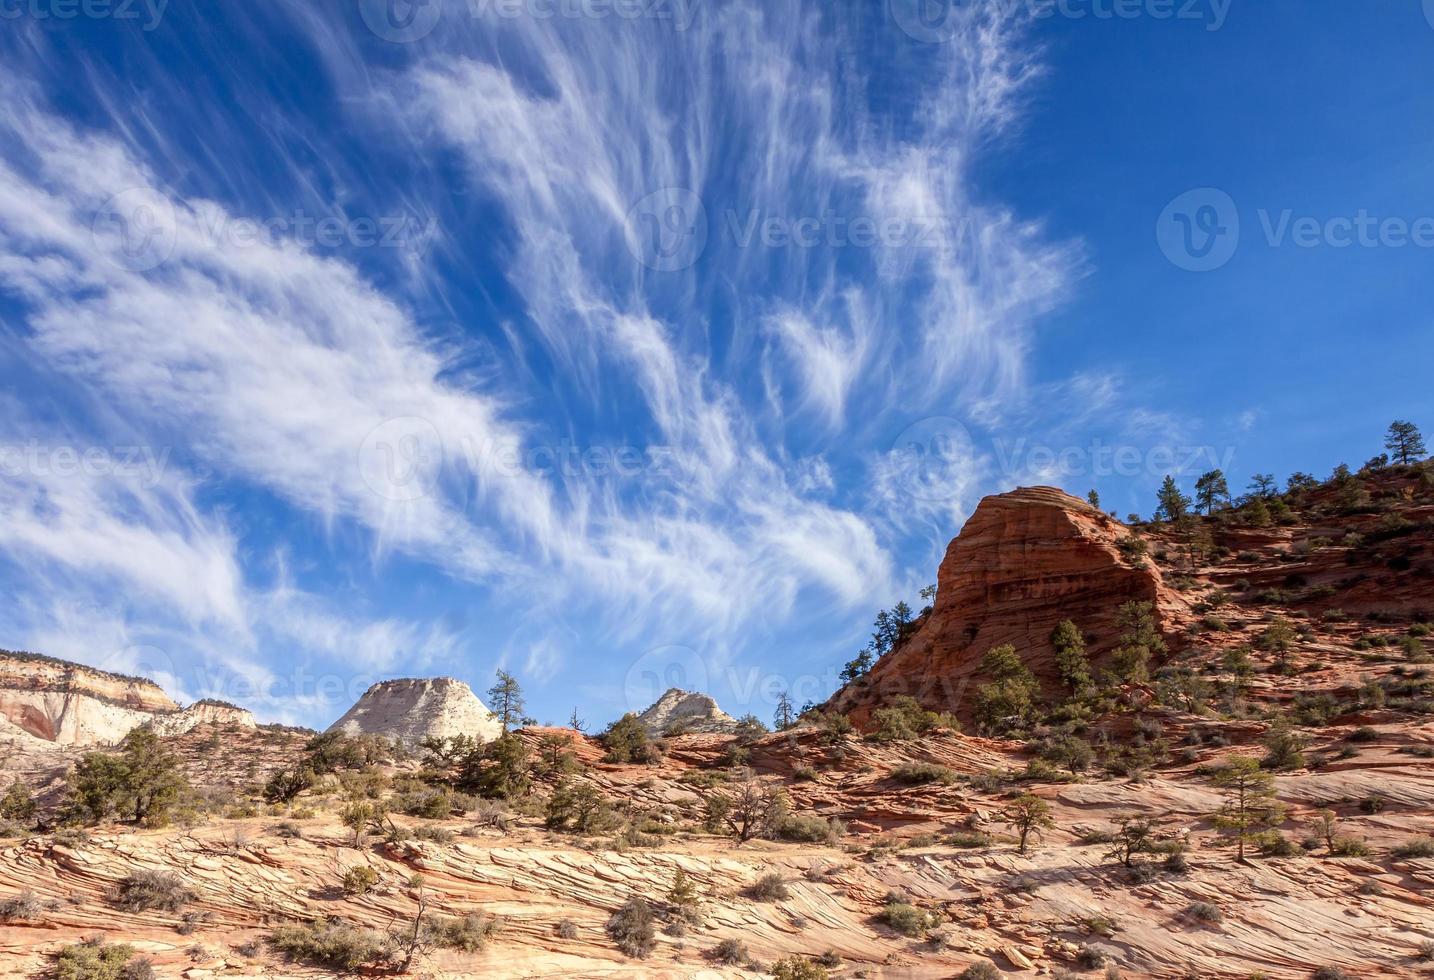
(1350, 566)
(1025, 561)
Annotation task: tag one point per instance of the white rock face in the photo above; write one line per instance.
(411, 710)
(686, 711)
(48, 700)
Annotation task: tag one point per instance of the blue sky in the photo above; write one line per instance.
(626, 345)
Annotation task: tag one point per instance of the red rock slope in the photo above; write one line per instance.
(1024, 561)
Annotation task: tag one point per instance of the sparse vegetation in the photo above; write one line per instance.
(632, 928)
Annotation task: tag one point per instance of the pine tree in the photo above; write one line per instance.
(1250, 807)
(1094, 499)
(1071, 657)
(1263, 485)
(1211, 489)
(1139, 641)
(1174, 505)
(505, 700)
(785, 716)
(1404, 442)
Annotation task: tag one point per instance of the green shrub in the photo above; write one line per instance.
(94, 959)
(146, 891)
(980, 970)
(1349, 847)
(810, 828)
(905, 719)
(359, 880)
(1415, 847)
(798, 968)
(469, 933)
(905, 918)
(331, 944)
(626, 741)
(922, 773)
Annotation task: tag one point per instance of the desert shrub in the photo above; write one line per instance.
(831, 959)
(432, 804)
(145, 891)
(1415, 847)
(1205, 912)
(1330, 973)
(905, 918)
(631, 928)
(359, 880)
(567, 929)
(1364, 734)
(922, 773)
(469, 933)
(810, 828)
(769, 888)
(337, 945)
(288, 829)
(23, 907)
(1284, 748)
(798, 968)
(803, 774)
(969, 839)
(729, 952)
(905, 719)
(95, 959)
(1349, 847)
(980, 970)
(1425, 951)
(18, 803)
(435, 835)
(491, 813)
(579, 806)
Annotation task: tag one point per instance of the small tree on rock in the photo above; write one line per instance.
(505, 700)
(1404, 442)
(1250, 807)
(1029, 816)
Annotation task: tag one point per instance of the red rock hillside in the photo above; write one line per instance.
(1024, 561)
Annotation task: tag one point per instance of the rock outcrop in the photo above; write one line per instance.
(70, 704)
(1025, 561)
(411, 710)
(686, 711)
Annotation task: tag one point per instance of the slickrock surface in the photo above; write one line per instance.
(1024, 561)
(410, 710)
(686, 711)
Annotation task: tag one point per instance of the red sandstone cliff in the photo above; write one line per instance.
(1024, 561)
